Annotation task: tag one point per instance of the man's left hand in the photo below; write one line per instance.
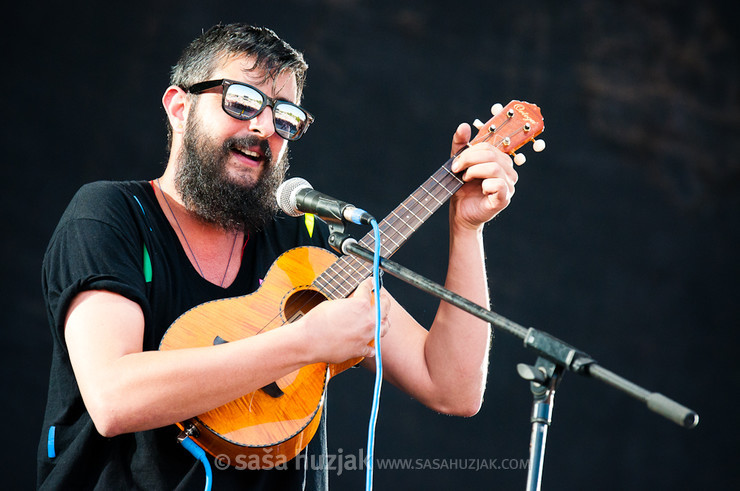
(489, 178)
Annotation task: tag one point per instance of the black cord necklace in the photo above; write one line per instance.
(195, 259)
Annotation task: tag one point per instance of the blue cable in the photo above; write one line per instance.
(378, 363)
(199, 454)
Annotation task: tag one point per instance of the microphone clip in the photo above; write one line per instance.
(337, 235)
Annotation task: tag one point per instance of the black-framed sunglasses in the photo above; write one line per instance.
(244, 102)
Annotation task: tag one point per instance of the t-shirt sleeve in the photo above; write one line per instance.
(96, 246)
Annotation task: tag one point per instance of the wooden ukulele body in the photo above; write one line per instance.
(273, 424)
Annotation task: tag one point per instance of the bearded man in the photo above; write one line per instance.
(128, 258)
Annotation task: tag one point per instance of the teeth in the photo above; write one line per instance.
(249, 153)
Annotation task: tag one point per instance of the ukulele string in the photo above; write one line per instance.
(315, 287)
(335, 282)
(335, 275)
(278, 318)
(335, 279)
(493, 131)
(357, 268)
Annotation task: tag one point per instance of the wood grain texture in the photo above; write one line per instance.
(258, 424)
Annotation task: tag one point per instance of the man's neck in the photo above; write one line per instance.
(210, 248)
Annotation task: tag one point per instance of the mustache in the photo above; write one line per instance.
(249, 141)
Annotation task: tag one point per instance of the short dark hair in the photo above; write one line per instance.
(212, 48)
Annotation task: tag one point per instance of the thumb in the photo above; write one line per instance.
(364, 288)
(460, 138)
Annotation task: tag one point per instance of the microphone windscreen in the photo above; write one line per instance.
(286, 193)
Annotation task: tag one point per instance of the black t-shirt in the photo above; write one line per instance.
(113, 236)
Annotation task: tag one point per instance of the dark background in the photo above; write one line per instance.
(621, 239)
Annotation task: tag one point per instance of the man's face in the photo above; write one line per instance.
(230, 169)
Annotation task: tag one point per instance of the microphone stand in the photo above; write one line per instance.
(554, 358)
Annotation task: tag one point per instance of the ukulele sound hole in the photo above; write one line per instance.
(300, 302)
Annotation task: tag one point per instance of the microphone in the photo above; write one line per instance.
(296, 197)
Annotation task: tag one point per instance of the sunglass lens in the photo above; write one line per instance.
(290, 120)
(242, 102)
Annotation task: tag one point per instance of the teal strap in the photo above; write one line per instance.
(147, 265)
(50, 450)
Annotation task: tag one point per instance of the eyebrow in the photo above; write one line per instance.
(248, 72)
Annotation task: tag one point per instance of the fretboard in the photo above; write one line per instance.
(341, 278)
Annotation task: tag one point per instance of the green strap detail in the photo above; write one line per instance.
(147, 265)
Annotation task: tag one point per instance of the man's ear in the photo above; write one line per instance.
(176, 104)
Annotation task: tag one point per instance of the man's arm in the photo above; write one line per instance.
(126, 389)
(446, 367)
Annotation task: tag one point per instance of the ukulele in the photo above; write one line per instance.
(270, 426)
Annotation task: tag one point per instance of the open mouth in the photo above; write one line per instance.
(253, 156)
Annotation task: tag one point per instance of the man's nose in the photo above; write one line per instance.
(263, 123)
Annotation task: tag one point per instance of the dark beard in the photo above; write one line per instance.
(206, 190)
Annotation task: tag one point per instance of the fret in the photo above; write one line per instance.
(342, 277)
(347, 272)
(387, 237)
(398, 232)
(439, 202)
(449, 172)
(262, 422)
(429, 212)
(355, 269)
(324, 287)
(448, 191)
(410, 211)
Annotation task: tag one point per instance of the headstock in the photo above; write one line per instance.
(511, 127)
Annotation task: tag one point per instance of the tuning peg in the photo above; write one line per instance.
(519, 158)
(496, 108)
(538, 145)
(478, 123)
